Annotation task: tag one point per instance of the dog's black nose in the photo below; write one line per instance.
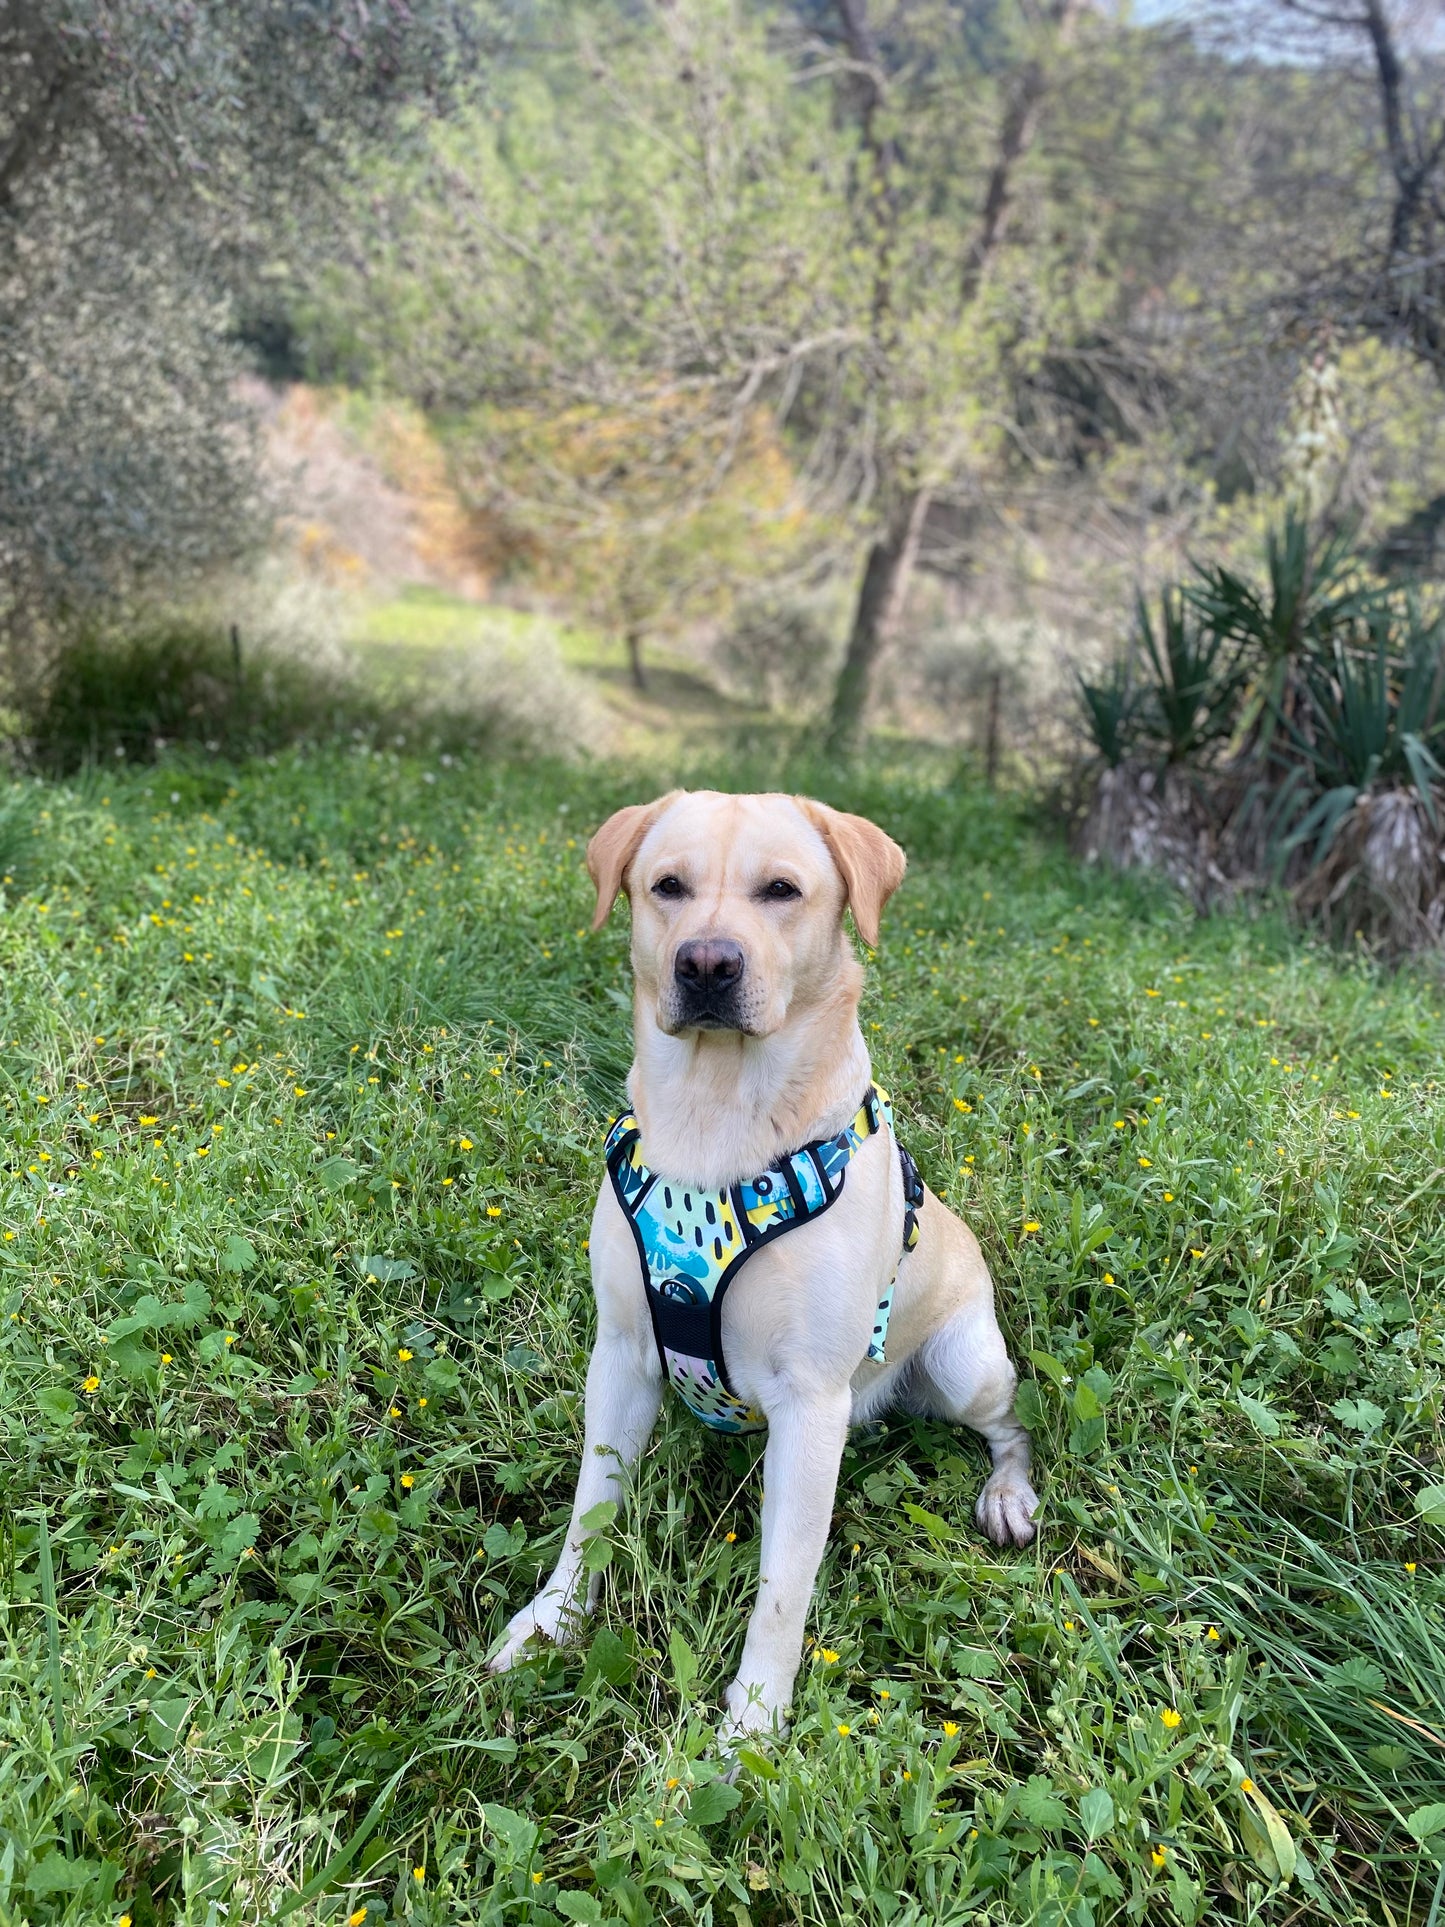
(709, 965)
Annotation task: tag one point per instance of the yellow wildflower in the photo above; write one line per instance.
(1170, 1718)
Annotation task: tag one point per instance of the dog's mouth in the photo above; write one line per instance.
(704, 1013)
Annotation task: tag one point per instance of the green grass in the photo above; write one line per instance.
(420, 635)
(426, 619)
(305, 1067)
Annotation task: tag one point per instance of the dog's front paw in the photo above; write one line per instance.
(549, 1617)
(1006, 1508)
(754, 1713)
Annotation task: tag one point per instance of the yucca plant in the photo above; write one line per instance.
(1190, 701)
(1313, 591)
(1371, 716)
(1111, 711)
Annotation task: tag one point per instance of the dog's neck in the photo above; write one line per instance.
(716, 1107)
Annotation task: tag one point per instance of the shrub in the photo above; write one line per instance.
(132, 693)
(1288, 728)
(1111, 710)
(778, 652)
(1003, 687)
(1373, 708)
(1196, 675)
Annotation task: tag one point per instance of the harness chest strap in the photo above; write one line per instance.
(691, 1245)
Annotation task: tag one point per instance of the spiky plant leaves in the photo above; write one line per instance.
(1196, 674)
(1314, 588)
(1111, 711)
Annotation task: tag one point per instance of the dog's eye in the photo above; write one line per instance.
(668, 887)
(780, 890)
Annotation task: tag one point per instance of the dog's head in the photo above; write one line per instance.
(737, 902)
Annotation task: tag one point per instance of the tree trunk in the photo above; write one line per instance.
(1411, 280)
(880, 603)
(1024, 99)
(892, 556)
(634, 659)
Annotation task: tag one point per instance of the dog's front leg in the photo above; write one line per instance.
(624, 1390)
(800, 1476)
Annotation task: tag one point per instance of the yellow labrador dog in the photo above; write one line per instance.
(761, 1242)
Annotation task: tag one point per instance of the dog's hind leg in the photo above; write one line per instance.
(963, 1374)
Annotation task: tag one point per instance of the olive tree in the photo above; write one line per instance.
(153, 157)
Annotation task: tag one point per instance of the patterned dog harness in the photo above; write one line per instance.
(692, 1245)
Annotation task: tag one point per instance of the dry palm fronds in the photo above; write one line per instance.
(1142, 820)
(1383, 874)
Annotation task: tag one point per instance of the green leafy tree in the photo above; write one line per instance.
(151, 158)
(684, 214)
(620, 286)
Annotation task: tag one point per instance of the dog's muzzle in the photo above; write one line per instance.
(707, 984)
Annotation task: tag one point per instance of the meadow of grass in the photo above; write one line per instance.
(304, 1067)
(410, 641)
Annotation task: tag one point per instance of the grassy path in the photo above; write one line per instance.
(415, 636)
(304, 1071)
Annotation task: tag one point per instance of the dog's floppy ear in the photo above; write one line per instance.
(613, 848)
(869, 862)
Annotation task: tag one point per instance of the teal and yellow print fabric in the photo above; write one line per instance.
(691, 1244)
